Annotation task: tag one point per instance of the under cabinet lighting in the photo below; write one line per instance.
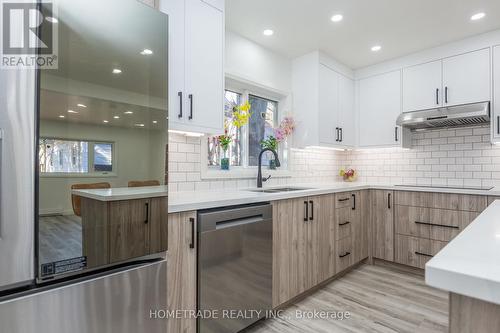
(477, 16)
(186, 133)
(326, 148)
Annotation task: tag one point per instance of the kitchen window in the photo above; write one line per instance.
(75, 157)
(246, 143)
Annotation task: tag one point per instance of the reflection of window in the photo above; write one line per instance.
(246, 144)
(75, 156)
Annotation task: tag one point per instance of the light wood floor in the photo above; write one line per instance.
(60, 238)
(379, 299)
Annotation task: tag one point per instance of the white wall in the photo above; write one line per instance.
(139, 155)
(250, 61)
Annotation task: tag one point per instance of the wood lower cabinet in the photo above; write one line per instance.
(416, 251)
(181, 270)
(382, 224)
(115, 231)
(303, 245)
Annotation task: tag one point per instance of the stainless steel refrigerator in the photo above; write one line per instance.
(95, 115)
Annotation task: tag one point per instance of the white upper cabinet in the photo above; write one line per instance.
(196, 65)
(379, 108)
(496, 93)
(323, 104)
(422, 86)
(461, 79)
(467, 78)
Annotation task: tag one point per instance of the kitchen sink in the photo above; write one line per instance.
(280, 189)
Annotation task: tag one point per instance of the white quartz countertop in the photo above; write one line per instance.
(470, 264)
(123, 193)
(195, 200)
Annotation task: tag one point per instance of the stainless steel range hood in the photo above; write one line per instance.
(460, 115)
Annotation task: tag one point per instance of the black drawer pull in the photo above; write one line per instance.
(344, 255)
(306, 212)
(438, 225)
(345, 199)
(353, 201)
(146, 221)
(345, 223)
(423, 254)
(192, 221)
(311, 218)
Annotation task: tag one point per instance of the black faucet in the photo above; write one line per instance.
(259, 174)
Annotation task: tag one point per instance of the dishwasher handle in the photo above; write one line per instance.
(238, 222)
(216, 219)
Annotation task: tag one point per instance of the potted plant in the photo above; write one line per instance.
(270, 143)
(281, 133)
(224, 142)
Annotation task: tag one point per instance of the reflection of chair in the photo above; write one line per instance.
(77, 201)
(141, 183)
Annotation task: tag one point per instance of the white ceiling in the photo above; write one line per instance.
(399, 26)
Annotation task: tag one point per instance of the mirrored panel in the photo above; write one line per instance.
(102, 124)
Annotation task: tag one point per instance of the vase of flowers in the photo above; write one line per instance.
(349, 175)
(224, 142)
(281, 133)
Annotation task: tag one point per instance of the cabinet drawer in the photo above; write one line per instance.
(343, 222)
(344, 254)
(416, 251)
(465, 202)
(431, 223)
(344, 200)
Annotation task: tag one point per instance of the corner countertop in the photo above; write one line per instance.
(196, 200)
(123, 193)
(470, 264)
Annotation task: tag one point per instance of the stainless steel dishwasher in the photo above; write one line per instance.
(234, 266)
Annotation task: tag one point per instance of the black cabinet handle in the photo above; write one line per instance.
(192, 220)
(353, 201)
(446, 95)
(311, 218)
(423, 254)
(306, 211)
(437, 96)
(337, 135)
(438, 225)
(498, 124)
(344, 199)
(389, 201)
(341, 134)
(180, 100)
(396, 134)
(190, 106)
(344, 255)
(146, 221)
(345, 223)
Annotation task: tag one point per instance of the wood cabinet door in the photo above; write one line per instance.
(128, 229)
(181, 270)
(158, 225)
(382, 224)
(361, 216)
(467, 78)
(422, 86)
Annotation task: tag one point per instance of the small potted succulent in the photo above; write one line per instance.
(270, 143)
(349, 175)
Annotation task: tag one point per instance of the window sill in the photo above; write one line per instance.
(242, 173)
(78, 175)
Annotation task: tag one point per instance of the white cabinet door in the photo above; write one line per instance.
(328, 105)
(379, 107)
(422, 86)
(204, 66)
(467, 78)
(347, 114)
(175, 10)
(496, 92)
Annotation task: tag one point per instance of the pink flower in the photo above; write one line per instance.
(279, 134)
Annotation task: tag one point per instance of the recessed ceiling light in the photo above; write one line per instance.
(105, 121)
(81, 105)
(117, 71)
(155, 122)
(128, 112)
(477, 16)
(72, 111)
(268, 32)
(61, 116)
(139, 125)
(337, 18)
(116, 117)
(376, 48)
(146, 52)
(51, 19)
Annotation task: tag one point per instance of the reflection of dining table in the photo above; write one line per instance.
(123, 223)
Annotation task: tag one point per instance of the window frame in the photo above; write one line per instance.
(90, 160)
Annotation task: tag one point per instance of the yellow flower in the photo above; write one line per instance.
(342, 173)
(241, 115)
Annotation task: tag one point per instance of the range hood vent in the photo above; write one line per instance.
(453, 116)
